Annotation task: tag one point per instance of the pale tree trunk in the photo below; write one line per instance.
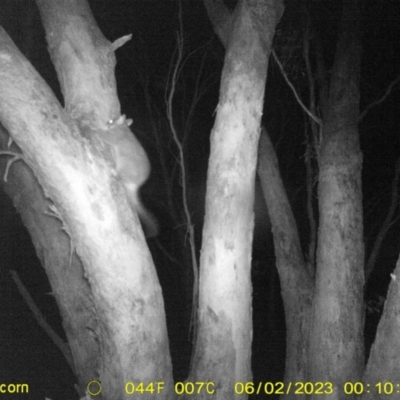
(383, 368)
(336, 342)
(335, 352)
(63, 268)
(324, 342)
(122, 294)
(331, 322)
(223, 347)
(296, 282)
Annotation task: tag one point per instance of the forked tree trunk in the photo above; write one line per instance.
(296, 282)
(337, 305)
(128, 341)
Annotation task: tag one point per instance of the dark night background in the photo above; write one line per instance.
(27, 355)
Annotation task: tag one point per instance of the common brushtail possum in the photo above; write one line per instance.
(132, 165)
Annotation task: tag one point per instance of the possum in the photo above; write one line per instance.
(132, 166)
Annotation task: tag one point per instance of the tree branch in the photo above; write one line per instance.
(306, 110)
(181, 160)
(376, 102)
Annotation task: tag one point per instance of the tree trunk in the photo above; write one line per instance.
(296, 282)
(74, 170)
(383, 368)
(63, 268)
(223, 348)
(336, 343)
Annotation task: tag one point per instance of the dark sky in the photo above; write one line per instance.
(27, 355)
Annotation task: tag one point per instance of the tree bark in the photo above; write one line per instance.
(223, 348)
(63, 268)
(383, 368)
(296, 282)
(336, 343)
(74, 170)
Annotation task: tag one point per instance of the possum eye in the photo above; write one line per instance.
(120, 120)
